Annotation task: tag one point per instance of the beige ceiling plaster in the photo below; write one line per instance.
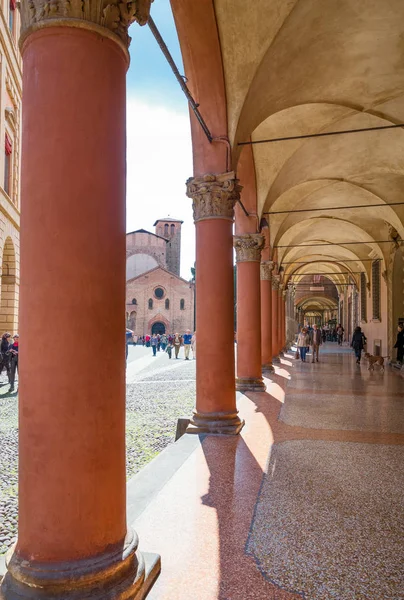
(343, 52)
(349, 157)
(245, 34)
(334, 193)
(317, 301)
(297, 120)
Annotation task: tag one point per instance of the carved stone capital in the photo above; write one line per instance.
(115, 16)
(266, 270)
(276, 280)
(214, 196)
(248, 247)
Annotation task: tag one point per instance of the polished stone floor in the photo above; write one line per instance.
(306, 503)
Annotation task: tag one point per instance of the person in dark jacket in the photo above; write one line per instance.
(400, 343)
(5, 354)
(358, 343)
(14, 360)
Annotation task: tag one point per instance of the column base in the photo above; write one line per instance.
(276, 359)
(250, 384)
(222, 423)
(268, 367)
(125, 574)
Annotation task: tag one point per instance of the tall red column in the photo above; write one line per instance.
(248, 257)
(275, 319)
(73, 539)
(214, 197)
(281, 320)
(266, 315)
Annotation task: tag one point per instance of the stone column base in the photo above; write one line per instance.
(250, 384)
(225, 423)
(123, 574)
(269, 368)
(276, 359)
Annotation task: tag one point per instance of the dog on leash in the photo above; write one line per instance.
(375, 360)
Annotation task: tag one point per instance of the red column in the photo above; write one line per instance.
(275, 319)
(266, 315)
(73, 538)
(248, 256)
(281, 321)
(214, 197)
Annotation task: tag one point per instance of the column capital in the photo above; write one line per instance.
(110, 18)
(266, 270)
(248, 247)
(276, 280)
(214, 195)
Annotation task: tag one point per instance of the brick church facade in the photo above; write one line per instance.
(157, 298)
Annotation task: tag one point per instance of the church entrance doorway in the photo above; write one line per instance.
(158, 328)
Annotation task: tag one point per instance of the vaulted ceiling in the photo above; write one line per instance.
(299, 67)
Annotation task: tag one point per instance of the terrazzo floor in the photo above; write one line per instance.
(306, 503)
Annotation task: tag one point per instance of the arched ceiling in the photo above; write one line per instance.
(299, 67)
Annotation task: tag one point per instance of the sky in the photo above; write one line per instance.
(159, 152)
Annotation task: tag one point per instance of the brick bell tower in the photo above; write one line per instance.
(171, 230)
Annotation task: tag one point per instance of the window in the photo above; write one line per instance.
(159, 293)
(166, 229)
(376, 290)
(150, 303)
(182, 304)
(167, 304)
(172, 229)
(8, 150)
(363, 298)
(134, 301)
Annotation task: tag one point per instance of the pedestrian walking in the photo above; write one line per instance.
(358, 343)
(153, 343)
(340, 334)
(163, 342)
(400, 343)
(177, 344)
(187, 339)
(169, 349)
(14, 360)
(193, 345)
(302, 343)
(315, 342)
(5, 354)
(128, 338)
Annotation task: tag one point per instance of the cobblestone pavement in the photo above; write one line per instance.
(159, 391)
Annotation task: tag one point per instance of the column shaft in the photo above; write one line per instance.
(213, 201)
(275, 319)
(266, 316)
(248, 254)
(72, 481)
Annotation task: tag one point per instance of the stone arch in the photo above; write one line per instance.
(8, 297)
(131, 320)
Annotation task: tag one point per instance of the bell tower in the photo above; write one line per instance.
(171, 230)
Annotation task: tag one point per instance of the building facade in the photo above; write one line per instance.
(158, 300)
(10, 132)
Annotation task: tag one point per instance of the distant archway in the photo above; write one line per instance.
(8, 301)
(158, 328)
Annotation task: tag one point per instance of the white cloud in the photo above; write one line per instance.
(159, 161)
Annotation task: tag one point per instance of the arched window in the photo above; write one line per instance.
(166, 229)
(182, 304)
(150, 303)
(172, 229)
(134, 301)
(167, 304)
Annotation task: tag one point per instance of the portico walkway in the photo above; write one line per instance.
(305, 503)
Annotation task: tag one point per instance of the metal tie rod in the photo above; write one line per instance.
(339, 244)
(317, 135)
(303, 210)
